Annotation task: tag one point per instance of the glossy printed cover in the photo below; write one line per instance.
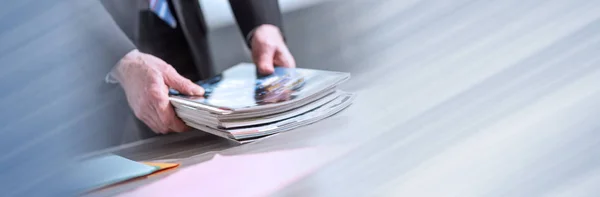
(239, 87)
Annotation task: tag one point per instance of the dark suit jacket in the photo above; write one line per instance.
(186, 47)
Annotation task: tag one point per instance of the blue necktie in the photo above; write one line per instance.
(161, 9)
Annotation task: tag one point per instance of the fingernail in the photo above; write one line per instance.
(266, 70)
(198, 91)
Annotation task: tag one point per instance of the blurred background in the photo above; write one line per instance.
(218, 13)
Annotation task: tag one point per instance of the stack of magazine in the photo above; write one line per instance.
(242, 106)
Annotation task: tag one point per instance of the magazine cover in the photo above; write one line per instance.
(241, 88)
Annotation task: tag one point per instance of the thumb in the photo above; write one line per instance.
(181, 84)
(264, 61)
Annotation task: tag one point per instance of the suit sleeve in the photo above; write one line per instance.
(250, 14)
(119, 42)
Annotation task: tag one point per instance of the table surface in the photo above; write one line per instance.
(455, 98)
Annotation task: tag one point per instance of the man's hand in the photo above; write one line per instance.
(269, 49)
(146, 80)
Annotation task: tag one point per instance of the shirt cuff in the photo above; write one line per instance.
(110, 78)
(249, 37)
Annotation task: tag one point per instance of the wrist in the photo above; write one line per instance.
(264, 29)
(131, 58)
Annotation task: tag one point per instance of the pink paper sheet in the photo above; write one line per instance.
(241, 175)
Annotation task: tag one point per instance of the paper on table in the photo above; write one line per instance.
(104, 170)
(241, 175)
(161, 167)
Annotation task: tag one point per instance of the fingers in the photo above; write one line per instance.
(269, 50)
(153, 124)
(168, 118)
(163, 113)
(154, 121)
(284, 58)
(268, 57)
(148, 116)
(149, 107)
(180, 83)
(146, 87)
(164, 121)
(156, 111)
(263, 57)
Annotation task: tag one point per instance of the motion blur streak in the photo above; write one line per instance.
(489, 98)
(54, 55)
